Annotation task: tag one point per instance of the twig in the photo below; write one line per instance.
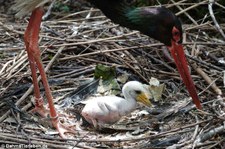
(207, 79)
(211, 2)
(49, 10)
(207, 135)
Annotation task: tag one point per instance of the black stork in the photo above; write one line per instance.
(156, 22)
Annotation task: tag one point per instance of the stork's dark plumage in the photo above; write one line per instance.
(158, 23)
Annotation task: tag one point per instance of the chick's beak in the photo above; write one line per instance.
(143, 98)
(177, 53)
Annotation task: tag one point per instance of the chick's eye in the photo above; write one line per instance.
(138, 92)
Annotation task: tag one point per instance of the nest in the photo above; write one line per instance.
(73, 43)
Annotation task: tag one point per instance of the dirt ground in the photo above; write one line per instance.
(74, 38)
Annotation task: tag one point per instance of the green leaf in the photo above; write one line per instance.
(65, 9)
(61, 7)
(105, 72)
(108, 87)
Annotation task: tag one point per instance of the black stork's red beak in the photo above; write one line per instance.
(177, 53)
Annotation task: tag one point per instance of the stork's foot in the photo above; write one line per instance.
(56, 124)
(39, 108)
(62, 128)
(42, 111)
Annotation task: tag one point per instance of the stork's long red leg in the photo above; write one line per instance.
(39, 106)
(31, 42)
(34, 56)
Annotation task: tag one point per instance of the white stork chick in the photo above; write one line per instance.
(109, 109)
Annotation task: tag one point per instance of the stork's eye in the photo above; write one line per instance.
(138, 92)
(176, 34)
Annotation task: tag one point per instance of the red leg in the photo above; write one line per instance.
(39, 103)
(34, 56)
(39, 107)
